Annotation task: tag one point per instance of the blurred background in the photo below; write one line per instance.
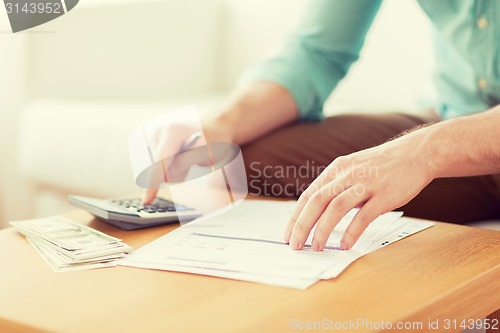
(72, 89)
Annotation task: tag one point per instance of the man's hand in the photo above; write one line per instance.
(376, 180)
(250, 112)
(170, 141)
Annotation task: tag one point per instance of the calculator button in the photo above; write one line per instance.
(159, 205)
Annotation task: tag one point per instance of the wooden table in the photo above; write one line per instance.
(444, 273)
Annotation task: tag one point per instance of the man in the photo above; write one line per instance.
(445, 171)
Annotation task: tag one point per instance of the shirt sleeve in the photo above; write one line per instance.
(318, 53)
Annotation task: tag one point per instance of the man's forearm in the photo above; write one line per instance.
(255, 110)
(466, 146)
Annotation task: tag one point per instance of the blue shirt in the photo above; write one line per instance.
(318, 54)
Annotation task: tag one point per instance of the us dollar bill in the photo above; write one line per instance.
(61, 264)
(65, 233)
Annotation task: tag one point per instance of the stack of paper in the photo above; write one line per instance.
(246, 243)
(68, 246)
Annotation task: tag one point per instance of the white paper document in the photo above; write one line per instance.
(246, 243)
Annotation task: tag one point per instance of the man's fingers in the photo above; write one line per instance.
(165, 144)
(324, 178)
(149, 195)
(314, 208)
(369, 212)
(298, 209)
(335, 211)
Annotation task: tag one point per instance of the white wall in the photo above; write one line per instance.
(14, 188)
(129, 51)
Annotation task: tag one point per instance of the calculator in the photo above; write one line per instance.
(131, 213)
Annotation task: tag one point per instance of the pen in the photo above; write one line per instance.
(191, 141)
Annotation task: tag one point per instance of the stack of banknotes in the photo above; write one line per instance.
(69, 246)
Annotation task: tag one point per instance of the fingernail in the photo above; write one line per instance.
(315, 245)
(295, 244)
(344, 245)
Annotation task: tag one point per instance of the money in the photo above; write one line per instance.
(64, 233)
(67, 246)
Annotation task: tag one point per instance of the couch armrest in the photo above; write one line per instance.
(81, 146)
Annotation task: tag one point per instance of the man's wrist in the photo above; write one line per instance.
(425, 145)
(444, 151)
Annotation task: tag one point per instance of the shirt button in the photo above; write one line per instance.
(482, 83)
(482, 23)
